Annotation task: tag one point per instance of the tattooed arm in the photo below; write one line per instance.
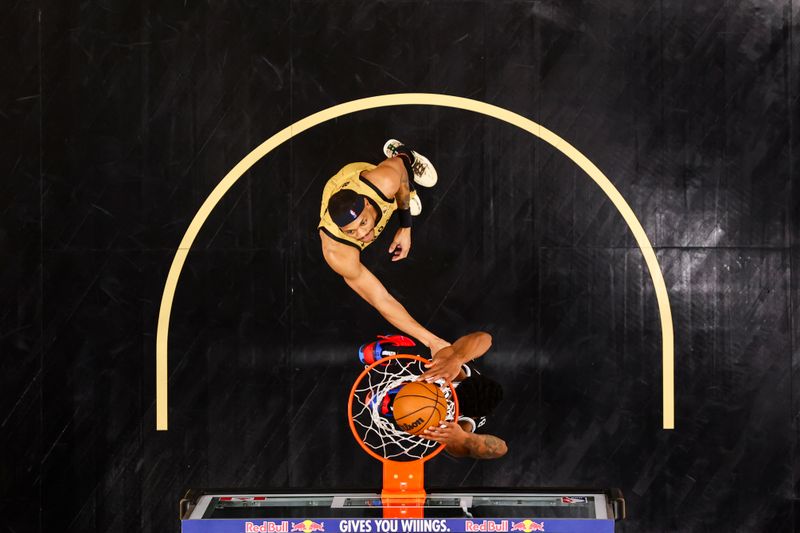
(461, 443)
(480, 447)
(392, 179)
(403, 194)
(401, 244)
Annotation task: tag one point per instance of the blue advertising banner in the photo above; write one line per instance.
(397, 525)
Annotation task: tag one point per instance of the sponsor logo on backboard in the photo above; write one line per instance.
(270, 526)
(307, 526)
(527, 526)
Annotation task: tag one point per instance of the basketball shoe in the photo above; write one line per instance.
(424, 173)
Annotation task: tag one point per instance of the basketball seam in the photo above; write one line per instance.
(414, 411)
(424, 386)
(436, 399)
(427, 422)
(433, 409)
(438, 406)
(432, 406)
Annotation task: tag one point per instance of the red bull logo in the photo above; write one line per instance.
(267, 527)
(307, 526)
(527, 526)
(486, 525)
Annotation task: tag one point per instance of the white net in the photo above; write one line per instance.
(376, 428)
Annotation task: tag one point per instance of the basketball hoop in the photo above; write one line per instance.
(403, 455)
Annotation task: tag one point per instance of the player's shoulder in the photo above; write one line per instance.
(336, 248)
(343, 258)
(384, 180)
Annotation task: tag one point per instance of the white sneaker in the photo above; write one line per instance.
(415, 204)
(424, 173)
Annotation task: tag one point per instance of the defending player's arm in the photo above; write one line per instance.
(447, 362)
(346, 262)
(462, 443)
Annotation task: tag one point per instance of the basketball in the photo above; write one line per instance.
(418, 406)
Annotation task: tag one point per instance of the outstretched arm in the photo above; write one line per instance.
(461, 443)
(447, 363)
(472, 346)
(346, 262)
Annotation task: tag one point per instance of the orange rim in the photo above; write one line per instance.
(363, 445)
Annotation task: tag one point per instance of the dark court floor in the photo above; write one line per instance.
(121, 117)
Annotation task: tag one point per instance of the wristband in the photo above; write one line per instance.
(469, 421)
(405, 217)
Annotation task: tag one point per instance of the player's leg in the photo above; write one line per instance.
(384, 346)
(387, 345)
(387, 171)
(416, 164)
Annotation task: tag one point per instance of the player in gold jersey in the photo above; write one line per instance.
(356, 205)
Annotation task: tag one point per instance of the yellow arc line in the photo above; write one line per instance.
(442, 100)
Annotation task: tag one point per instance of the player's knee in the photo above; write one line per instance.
(394, 163)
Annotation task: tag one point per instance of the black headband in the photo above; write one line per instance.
(345, 206)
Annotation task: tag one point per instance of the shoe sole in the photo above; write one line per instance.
(415, 204)
(432, 177)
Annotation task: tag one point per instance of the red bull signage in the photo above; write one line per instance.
(307, 526)
(266, 527)
(396, 525)
(527, 526)
(486, 525)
